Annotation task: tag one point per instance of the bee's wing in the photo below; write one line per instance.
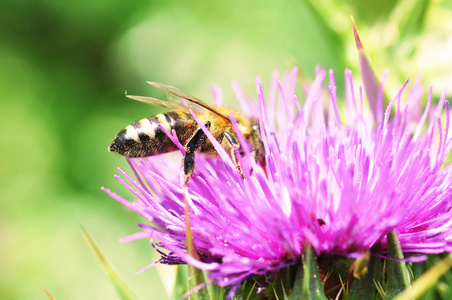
(157, 102)
(195, 102)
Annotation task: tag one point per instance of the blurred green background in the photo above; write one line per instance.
(65, 67)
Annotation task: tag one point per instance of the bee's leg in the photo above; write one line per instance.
(234, 144)
(197, 140)
(255, 153)
(259, 158)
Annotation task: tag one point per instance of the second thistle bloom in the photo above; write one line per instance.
(342, 183)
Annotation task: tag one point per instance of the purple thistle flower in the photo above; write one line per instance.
(340, 182)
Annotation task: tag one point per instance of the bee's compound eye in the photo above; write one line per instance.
(256, 127)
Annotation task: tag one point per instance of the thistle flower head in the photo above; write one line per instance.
(341, 182)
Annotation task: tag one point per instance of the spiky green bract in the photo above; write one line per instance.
(396, 270)
(308, 284)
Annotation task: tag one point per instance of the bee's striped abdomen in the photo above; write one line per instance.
(146, 138)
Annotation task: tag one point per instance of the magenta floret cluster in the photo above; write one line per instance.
(341, 180)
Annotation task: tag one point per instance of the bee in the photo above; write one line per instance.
(145, 137)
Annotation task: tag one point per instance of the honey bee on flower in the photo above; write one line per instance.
(147, 137)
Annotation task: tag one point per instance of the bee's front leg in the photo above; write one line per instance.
(197, 140)
(230, 138)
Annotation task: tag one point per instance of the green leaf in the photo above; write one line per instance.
(397, 278)
(428, 279)
(195, 276)
(124, 292)
(180, 286)
(308, 284)
(366, 288)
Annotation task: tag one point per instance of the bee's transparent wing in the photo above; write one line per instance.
(193, 102)
(173, 105)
